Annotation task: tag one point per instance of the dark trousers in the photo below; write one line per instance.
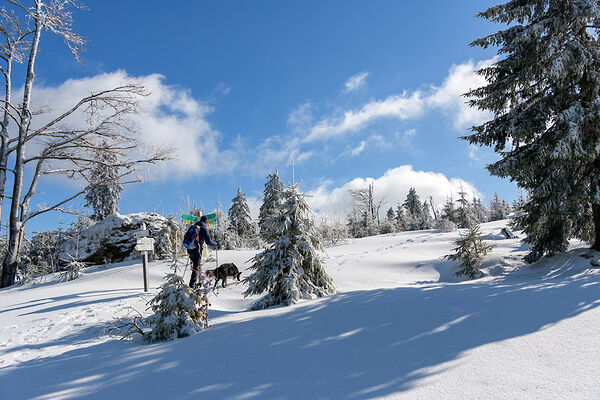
(195, 256)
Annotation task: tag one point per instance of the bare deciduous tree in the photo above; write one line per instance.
(363, 201)
(58, 147)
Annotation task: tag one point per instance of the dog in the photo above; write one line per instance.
(222, 272)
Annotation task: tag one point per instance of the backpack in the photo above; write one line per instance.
(191, 237)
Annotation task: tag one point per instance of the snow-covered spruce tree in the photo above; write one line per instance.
(465, 216)
(544, 92)
(43, 250)
(271, 203)
(72, 270)
(417, 213)
(239, 217)
(469, 252)
(104, 188)
(449, 211)
(169, 240)
(425, 216)
(389, 225)
(401, 222)
(175, 306)
(499, 209)
(290, 269)
(479, 210)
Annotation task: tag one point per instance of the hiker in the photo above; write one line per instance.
(193, 241)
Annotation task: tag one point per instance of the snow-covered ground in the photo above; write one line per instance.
(401, 326)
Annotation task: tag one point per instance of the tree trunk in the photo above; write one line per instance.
(596, 213)
(9, 270)
(4, 133)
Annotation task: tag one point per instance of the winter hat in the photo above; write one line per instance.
(203, 218)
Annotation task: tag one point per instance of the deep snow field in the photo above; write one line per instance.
(401, 326)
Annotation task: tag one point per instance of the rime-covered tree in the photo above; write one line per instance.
(175, 306)
(105, 188)
(544, 92)
(390, 216)
(449, 212)
(271, 205)
(389, 224)
(37, 142)
(290, 269)
(365, 210)
(479, 210)
(499, 209)
(239, 216)
(401, 222)
(416, 215)
(465, 216)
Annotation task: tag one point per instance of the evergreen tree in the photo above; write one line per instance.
(416, 216)
(390, 216)
(239, 217)
(465, 216)
(388, 225)
(499, 209)
(479, 210)
(426, 217)
(290, 269)
(518, 208)
(175, 307)
(104, 189)
(219, 233)
(449, 211)
(401, 222)
(271, 204)
(469, 252)
(544, 94)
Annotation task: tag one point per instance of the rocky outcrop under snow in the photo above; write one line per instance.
(112, 240)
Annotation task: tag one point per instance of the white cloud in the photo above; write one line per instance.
(355, 82)
(357, 150)
(170, 116)
(401, 107)
(392, 187)
(301, 116)
(447, 98)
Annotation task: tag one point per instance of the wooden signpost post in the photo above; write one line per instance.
(144, 245)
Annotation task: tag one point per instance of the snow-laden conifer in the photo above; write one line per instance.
(105, 190)
(544, 92)
(469, 252)
(499, 209)
(290, 269)
(389, 225)
(479, 210)
(271, 205)
(417, 213)
(465, 216)
(240, 222)
(401, 222)
(175, 310)
(449, 211)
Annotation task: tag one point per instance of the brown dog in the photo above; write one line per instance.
(222, 272)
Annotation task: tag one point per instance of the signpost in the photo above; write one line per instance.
(144, 245)
(212, 220)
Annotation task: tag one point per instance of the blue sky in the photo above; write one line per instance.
(350, 90)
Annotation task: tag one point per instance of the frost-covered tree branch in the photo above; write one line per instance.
(67, 143)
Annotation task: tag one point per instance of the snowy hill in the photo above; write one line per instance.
(401, 326)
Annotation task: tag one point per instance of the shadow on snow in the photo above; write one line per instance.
(353, 345)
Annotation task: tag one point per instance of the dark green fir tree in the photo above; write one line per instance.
(544, 93)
